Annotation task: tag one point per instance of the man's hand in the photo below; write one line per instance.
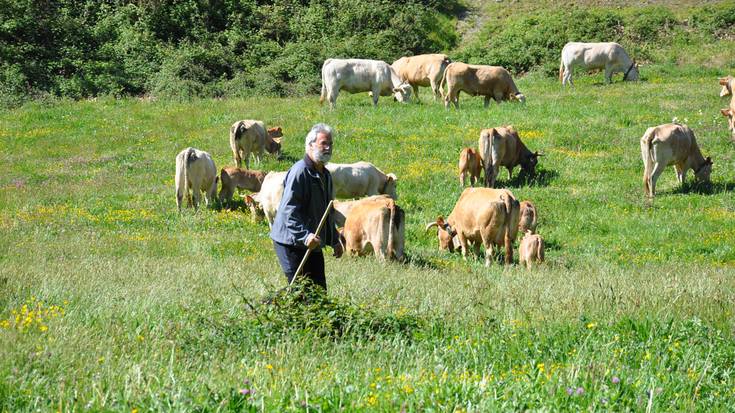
(313, 241)
(338, 250)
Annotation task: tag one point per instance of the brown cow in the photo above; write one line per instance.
(503, 147)
(490, 81)
(728, 84)
(422, 70)
(343, 208)
(470, 164)
(531, 250)
(481, 216)
(529, 218)
(378, 222)
(250, 137)
(671, 144)
(237, 178)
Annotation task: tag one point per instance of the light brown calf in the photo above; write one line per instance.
(237, 178)
(529, 218)
(531, 250)
(470, 164)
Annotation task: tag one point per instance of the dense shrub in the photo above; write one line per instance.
(716, 21)
(203, 48)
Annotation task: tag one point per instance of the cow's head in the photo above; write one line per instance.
(446, 233)
(529, 162)
(702, 174)
(402, 92)
(632, 72)
(727, 84)
(275, 136)
(520, 97)
(730, 115)
(253, 203)
(391, 182)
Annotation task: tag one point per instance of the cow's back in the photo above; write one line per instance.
(676, 139)
(592, 55)
(356, 75)
(460, 75)
(418, 69)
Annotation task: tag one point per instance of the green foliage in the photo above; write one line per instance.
(717, 21)
(194, 48)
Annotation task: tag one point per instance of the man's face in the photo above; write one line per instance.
(322, 147)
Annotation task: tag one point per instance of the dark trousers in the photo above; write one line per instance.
(290, 257)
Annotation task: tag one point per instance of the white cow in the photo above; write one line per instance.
(672, 144)
(195, 169)
(361, 75)
(609, 56)
(269, 197)
(360, 179)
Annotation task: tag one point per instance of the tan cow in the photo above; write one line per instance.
(490, 81)
(376, 222)
(269, 197)
(671, 144)
(195, 169)
(237, 178)
(503, 147)
(422, 70)
(470, 165)
(529, 218)
(250, 137)
(343, 208)
(481, 216)
(531, 250)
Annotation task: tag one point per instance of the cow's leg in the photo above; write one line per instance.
(416, 91)
(486, 103)
(332, 96)
(196, 193)
(380, 249)
(510, 172)
(608, 74)
(434, 89)
(376, 95)
(236, 156)
(461, 179)
(658, 169)
(464, 245)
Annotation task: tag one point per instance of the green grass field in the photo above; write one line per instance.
(110, 300)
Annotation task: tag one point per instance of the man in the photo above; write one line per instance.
(306, 194)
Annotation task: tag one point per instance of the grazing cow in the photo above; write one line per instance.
(360, 179)
(529, 218)
(376, 222)
(422, 70)
(237, 178)
(671, 144)
(470, 164)
(609, 56)
(269, 197)
(728, 84)
(481, 216)
(503, 147)
(250, 137)
(531, 250)
(490, 81)
(253, 203)
(195, 169)
(361, 75)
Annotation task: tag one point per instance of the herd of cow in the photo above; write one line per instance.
(482, 217)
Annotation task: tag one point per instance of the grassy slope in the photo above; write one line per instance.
(152, 308)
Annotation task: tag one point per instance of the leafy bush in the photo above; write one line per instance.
(716, 21)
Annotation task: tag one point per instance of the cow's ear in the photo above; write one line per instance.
(723, 81)
(277, 140)
(725, 112)
(249, 199)
(708, 161)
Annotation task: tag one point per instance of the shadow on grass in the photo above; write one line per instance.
(702, 188)
(542, 178)
(419, 261)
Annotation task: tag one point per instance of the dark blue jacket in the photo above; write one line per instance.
(306, 194)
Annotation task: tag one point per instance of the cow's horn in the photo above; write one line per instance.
(431, 224)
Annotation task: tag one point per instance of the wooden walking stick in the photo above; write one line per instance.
(308, 251)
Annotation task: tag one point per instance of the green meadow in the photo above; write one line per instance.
(112, 301)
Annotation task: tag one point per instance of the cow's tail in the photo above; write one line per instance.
(391, 222)
(561, 70)
(488, 136)
(540, 250)
(444, 80)
(188, 158)
(508, 203)
(324, 85)
(236, 131)
(648, 161)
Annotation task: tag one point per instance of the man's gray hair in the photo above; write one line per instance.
(315, 130)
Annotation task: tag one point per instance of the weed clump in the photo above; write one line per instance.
(308, 309)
